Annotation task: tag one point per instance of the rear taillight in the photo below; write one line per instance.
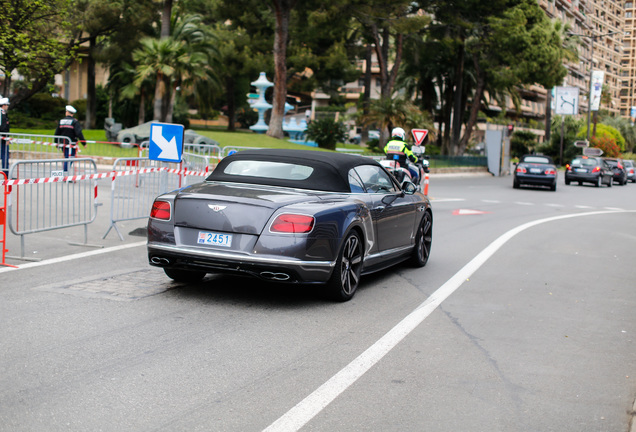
(568, 167)
(160, 210)
(550, 171)
(596, 169)
(292, 223)
(521, 170)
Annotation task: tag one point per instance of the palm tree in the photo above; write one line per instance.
(387, 113)
(182, 60)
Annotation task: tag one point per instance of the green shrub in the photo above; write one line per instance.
(326, 132)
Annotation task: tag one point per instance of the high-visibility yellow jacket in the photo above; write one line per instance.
(401, 150)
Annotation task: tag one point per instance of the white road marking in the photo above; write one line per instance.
(555, 205)
(72, 257)
(305, 410)
(584, 207)
(447, 199)
(491, 201)
(524, 203)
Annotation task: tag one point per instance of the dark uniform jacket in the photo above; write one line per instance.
(4, 121)
(70, 127)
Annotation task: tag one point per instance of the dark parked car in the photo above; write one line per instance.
(588, 169)
(535, 170)
(620, 174)
(631, 170)
(296, 216)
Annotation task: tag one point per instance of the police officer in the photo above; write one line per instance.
(397, 149)
(4, 127)
(69, 127)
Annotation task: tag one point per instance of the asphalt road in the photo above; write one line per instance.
(523, 320)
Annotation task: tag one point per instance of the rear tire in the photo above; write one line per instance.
(179, 275)
(423, 241)
(599, 181)
(515, 184)
(346, 274)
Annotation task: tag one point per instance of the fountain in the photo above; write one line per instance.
(261, 105)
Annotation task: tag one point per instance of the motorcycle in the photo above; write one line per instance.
(403, 173)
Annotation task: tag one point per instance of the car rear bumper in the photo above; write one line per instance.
(537, 180)
(277, 268)
(582, 177)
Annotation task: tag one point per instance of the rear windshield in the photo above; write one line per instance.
(611, 162)
(266, 169)
(536, 159)
(584, 162)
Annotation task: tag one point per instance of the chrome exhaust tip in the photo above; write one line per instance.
(160, 261)
(275, 276)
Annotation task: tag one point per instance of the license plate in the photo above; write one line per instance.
(535, 170)
(580, 170)
(214, 239)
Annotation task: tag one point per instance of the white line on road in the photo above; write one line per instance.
(72, 257)
(437, 200)
(309, 407)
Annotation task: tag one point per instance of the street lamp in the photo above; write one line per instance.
(589, 90)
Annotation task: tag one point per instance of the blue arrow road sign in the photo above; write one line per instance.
(166, 142)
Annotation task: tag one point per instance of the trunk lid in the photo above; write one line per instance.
(240, 209)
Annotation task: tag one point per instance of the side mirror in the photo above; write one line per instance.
(408, 187)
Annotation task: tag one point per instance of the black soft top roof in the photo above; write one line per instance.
(330, 173)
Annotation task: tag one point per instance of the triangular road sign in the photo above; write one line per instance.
(419, 135)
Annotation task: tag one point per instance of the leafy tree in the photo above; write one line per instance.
(101, 24)
(607, 144)
(35, 39)
(181, 59)
(520, 47)
(571, 127)
(241, 59)
(604, 131)
(521, 143)
(388, 113)
(624, 126)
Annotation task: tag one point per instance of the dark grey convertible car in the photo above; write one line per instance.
(297, 216)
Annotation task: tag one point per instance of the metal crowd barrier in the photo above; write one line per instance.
(137, 182)
(30, 146)
(4, 198)
(45, 198)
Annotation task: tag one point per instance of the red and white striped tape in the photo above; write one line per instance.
(110, 174)
(47, 143)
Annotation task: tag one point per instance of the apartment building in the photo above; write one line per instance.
(600, 26)
(628, 64)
